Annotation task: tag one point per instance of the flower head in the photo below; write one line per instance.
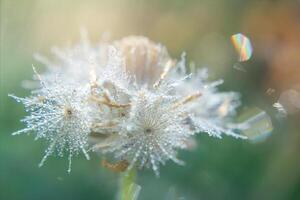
(153, 132)
(60, 114)
(144, 59)
(167, 106)
(128, 98)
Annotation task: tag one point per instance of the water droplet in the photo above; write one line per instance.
(258, 124)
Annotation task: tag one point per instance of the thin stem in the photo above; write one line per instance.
(129, 190)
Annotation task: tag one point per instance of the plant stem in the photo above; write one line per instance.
(129, 190)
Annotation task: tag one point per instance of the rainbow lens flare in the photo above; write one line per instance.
(243, 46)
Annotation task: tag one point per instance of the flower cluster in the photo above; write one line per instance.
(128, 99)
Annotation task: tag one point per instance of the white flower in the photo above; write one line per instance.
(210, 112)
(153, 132)
(60, 114)
(128, 98)
(167, 106)
(144, 59)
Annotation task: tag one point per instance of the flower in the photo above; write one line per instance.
(153, 132)
(167, 106)
(128, 99)
(60, 114)
(144, 59)
(216, 107)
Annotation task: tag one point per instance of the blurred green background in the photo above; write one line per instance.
(217, 169)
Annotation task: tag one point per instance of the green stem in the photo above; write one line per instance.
(129, 190)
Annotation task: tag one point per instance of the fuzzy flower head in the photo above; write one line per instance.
(144, 59)
(58, 113)
(167, 107)
(153, 132)
(128, 99)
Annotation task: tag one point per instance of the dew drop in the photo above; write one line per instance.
(258, 124)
